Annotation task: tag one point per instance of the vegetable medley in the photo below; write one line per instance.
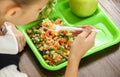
(53, 46)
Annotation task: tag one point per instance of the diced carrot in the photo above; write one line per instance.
(63, 40)
(47, 33)
(52, 42)
(65, 32)
(52, 60)
(43, 36)
(55, 48)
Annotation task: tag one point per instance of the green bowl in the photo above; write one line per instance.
(109, 36)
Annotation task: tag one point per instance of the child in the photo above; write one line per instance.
(19, 12)
(10, 11)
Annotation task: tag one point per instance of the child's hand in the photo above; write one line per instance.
(84, 41)
(20, 38)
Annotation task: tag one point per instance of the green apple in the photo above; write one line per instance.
(83, 8)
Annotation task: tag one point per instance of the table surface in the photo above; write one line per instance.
(105, 63)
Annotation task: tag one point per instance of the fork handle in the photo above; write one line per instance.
(70, 28)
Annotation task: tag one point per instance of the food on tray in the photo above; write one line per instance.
(83, 8)
(53, 46)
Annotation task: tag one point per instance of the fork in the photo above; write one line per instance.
(72, 28)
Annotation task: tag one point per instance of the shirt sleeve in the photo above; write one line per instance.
(8, 42)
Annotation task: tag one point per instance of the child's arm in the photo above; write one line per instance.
(82, 44)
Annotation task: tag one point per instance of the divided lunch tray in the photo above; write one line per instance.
(109, 36)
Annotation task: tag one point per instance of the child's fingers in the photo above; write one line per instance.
(22, 39)
(91, 36)
(19, 45)
(22, 42)
(85, 33)
(75, 33)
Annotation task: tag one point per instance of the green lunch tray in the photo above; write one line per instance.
(109, 36)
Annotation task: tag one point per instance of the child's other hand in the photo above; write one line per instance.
(20, 38)
(84, 41)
